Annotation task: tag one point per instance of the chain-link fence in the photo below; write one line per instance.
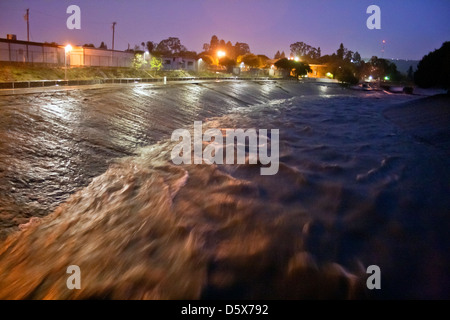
(33, 52)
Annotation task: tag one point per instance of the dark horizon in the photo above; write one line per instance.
(411, 30)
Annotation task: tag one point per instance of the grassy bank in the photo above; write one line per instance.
(9, 73)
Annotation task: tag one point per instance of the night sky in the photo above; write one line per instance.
(411, 28)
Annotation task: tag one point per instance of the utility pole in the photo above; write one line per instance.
(28, 25)
(113, 27)
(112, 51)
(28, 30)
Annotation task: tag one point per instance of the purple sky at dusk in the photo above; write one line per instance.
(411, 28)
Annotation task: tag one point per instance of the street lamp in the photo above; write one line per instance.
(220, 54)
(67, 49)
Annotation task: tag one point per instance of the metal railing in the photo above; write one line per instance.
(49, 83)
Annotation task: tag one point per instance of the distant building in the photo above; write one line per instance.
(318, 71)
(179, 63)
(12, 50)
(87, 56)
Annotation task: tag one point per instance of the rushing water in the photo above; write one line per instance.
(94, 166)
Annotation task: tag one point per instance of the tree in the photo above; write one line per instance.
(346, 75)
(227, 62)
(138, 61)
(305, 51)
(348, 55)
(206, 47)
(214, 43)
(410, 73)
(262, 60)
(229, 49)
(170, 46)
(283, 55)
(103, 46)
(356, 57)
(340, 53)
(298, 49)
(277, 55)
(241, 49)
(284, 64)
(434, 69)
(381, 68)
(251, 60)
(208, 59)
(150, 46)
(300, 68)
(155, 64)
(90, 45)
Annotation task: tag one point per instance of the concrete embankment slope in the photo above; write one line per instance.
(55, 140)
(427, 119)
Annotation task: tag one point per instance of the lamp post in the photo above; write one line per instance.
(67, 49)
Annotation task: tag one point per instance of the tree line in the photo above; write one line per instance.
(344, 65)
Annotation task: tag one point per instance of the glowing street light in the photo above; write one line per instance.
(220, 54)
(297, 59)
(67, 49)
